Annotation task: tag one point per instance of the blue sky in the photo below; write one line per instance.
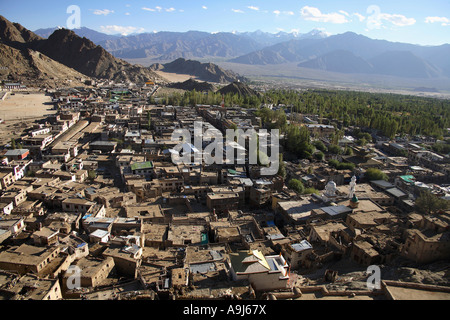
(418, 22)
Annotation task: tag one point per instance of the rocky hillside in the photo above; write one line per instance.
(191, 84)
(86, 57)
(33, 68)
(21, 63)
(14, 34)
(204, 71)
(238, 88)
(63, 48)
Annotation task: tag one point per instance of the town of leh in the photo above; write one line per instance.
(151, 162)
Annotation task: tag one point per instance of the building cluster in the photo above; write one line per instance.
(93, 207)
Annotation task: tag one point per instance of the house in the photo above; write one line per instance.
(6, 208)
(77, 205)
(74, 246)
(45, 237)
(364, 253)
(31, 287)
(222, 201)
(126, 259)
(298, 212)
(26, 258)
(17, 154)
(143, 168)
(103, 146)
(14, 225)
(296, 253)
(92, 272)
(263, 272)
(99, 235)
(430, 241)
(6, 179)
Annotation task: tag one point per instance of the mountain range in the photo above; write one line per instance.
(74, 54)
(167, 46)
(95, 36)
(353, 53)
(347, 53)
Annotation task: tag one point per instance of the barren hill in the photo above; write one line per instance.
(63, 47)
(238, 88)
(204, 71)
(191, 84)
(86, 57)
(34, 68)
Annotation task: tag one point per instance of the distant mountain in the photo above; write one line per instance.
(92, 35)
(353, 53)
(268, 39)
(339, 61)
(196, 44)
(289, 51)
(172, 45)
(403, 64)
(238, 88)
(204, 71)
(392, 63)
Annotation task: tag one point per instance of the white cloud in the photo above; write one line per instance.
(113, 29)
(205, 7)
(103, 12)
(314, 14)
(237, 11)
(159, 9)
(398, 19)
(359, 16)
(443, 20)
(288, 13)
(253, 8)
(344, 13)
(127, 13)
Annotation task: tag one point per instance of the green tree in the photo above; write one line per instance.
(319, 155)
(429, 203)
(310, 191)
(334, 149)
(149, 120)
(375, 174)
(319, 145)
(282, 167)
(92, 175)
(13, 144)
(296, 185)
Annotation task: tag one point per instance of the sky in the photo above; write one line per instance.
(417, 22)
